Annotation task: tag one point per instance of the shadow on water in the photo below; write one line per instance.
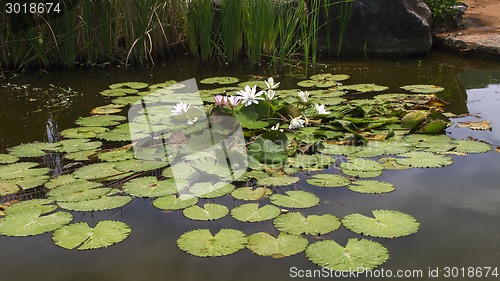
(458, 206)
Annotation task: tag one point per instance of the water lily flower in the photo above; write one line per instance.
(276, 128)
(303, 96)
(180, 108)
(270, 84)
(250, 95)
(270, 95)
(296, 123)
(192, 121)
(220, 100)
(320, 109)
(233, 101)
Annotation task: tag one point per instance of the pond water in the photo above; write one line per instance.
(458, 206)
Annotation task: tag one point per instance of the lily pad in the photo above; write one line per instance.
(385, 224)
(100, 120)
(108, 109)
(43, 205)
(328, 180)
(362, 174)
(82, 237)
(390, 163)
(329, 76)
(371, 186)
(277, 180)
(76, 145)
(135, 165)
(150, 187)
(295, 199)
(101, 204)
(423, 89)
(35, 149)
(30, 182)
(32, 222)
(336, 149)
(7, 188)
(364, 88)
(21, 170)
(481, 125)
(98, 171)
(209, 190)
(173, 202)
(285, 245)
(208, 212)
(250, 194)
(424, 160)
(253, 213)
(202, 243)
(80, 155)
(361, 164)
(116, 155)
(8, 159)
(358, 254)
(83, 132)
(470, 146)
(220, 80)
(132, 85)
(79, 190)
(295, 223)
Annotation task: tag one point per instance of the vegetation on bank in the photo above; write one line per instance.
(444, 12)
(140, 31)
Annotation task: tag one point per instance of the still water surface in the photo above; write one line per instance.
(458, 206)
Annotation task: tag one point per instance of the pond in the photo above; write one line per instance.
(458, 206)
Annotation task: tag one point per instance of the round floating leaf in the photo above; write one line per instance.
(32, 149)
(250, 194)
(127, 100)
(385, 224)
(32, 222)
(7, 188)
(392, 147)
(328, 180)
(173, 202)
(207, 213)
(132, 85)
(310, 162)
(43, 205)
(83, 132)
(60, 180)
(364, 88)
(469, 146)
(80, 155)
(82, 237)
(209, 190)
(371, 186)
(329, 76)
(277, 180)
(423, 89)
(264, 244)
(31, 182)
(98, 171)
(357, 254)
(117, 134)
(101, 204)
(295, 223)
(8, 159)
(252, 213)
(100, 120)
(116, 155)
(135, 165)
(361, 174)
(202, 243)
(295, 199)
(413, 120)
(336, 149)
(21, 170)
(108, 109)
(361, 164)
(76, 145)
(220, 80)
(424, 160)
(150, 187)
(390, 163)
(77, 191)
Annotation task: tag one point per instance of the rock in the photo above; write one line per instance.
(386, 28)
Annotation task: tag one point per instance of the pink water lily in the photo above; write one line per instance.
(233, 101)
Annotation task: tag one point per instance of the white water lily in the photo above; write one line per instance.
(250, 95)
(276, 128)
(270, 84)
(303, 96)
(180, 108)
(192, 121)
(320, 109)
(270, 95)
(296, 123)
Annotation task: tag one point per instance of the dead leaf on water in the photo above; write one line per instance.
(498, 149)
(481, 125)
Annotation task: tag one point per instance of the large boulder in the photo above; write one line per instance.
(386, 28)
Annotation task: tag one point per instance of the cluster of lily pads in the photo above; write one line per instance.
(309, 129)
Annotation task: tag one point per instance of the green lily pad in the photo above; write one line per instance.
(285, 245)
(390, 163)
(132, 85)
(21, 170)
(108, 109)
(30, 182)
(207, 213)
(129, 100)
(7, 188)
(173, 202)
(336, 149)
(135, 165)
(328, 180)
(392, 147)
(277, 180)
(209, 190)
(310, 162)
(77, 145)
(267, 151)
(202, 243)
(116, 155)
(364, 88)
(413, 120)
(43, 205)
(82, 237)
(253, 213)
(80, 155)
(32, 222)
(250, 194)
(100, 120)
(295, 223)
(469, 146)
(60, 180)
(78, 190)
(220, 80)
(100, 204)
(295, 199)
(423, 89)
(329, 76)
(371, 186)
(8, 159)
(83, 132)
(35, 149)
(98, 171)
(361, 164)
(117, 134)
(362, 174)
(357, 255)
(385, 224)
(150, 187)
(424, 160)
